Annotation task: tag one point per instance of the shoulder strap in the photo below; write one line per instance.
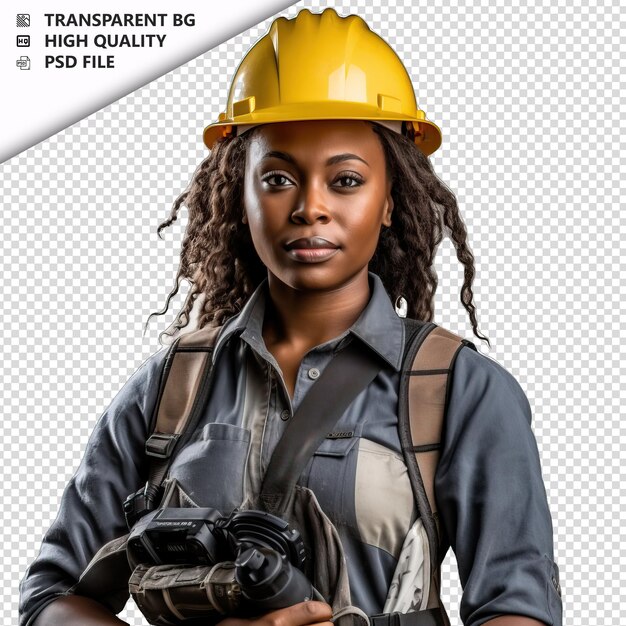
(430, 352)
(183, 390)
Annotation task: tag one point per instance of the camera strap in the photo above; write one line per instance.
(349, 372)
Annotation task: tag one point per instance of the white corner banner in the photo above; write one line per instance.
(61, 61)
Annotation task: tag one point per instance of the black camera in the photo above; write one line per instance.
(193, 563)
(178, 535)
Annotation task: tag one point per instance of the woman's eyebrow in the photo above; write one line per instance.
(276, 154)
(338, 158)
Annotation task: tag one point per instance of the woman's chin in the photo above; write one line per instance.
(312, 277)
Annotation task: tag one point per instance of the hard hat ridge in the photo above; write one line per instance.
(322, 66)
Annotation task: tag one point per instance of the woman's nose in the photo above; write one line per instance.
(311, 206)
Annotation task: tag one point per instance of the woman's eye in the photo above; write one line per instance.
(349, 180)
(276, 180)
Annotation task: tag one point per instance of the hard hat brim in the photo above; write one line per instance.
(427, 136)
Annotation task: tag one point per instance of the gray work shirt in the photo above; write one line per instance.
(488, 484)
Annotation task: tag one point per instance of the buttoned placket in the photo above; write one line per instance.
(280, 406)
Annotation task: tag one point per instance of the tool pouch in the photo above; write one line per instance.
(184, 594)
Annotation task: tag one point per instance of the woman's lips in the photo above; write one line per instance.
(312, 255)
(311, 249)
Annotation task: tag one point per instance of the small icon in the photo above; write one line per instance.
(23, 20)
(23, 41)
(23, 63)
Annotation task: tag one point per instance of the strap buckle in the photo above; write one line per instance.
(141, 502)
(160, 445)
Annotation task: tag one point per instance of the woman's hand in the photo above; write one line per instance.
(301, 614)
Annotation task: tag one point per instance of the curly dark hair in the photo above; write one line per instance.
(219, 261)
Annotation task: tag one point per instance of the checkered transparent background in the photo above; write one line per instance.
(528, 99)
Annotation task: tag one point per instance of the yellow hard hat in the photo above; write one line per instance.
(320, 66)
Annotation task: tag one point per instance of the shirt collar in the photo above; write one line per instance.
(378, 326)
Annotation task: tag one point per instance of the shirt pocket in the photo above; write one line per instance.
(384, 502)
(211, 467)
(330, 476)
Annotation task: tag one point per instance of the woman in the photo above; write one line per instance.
(310, 213)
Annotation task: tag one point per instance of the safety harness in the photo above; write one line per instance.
(429, 355)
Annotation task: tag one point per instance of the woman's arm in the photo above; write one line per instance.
(91, 509)
(492, 500)
(76, 611)
(80, 611)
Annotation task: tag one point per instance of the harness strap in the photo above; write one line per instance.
(349, 372)
(183, 389)
(424, 390)
(428, 380)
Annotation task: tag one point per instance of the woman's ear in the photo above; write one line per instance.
(244, 219)
(388, 210)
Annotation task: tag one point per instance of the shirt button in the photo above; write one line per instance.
(314, 373)
(285, 415)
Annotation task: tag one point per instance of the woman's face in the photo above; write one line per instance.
(316, 195)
